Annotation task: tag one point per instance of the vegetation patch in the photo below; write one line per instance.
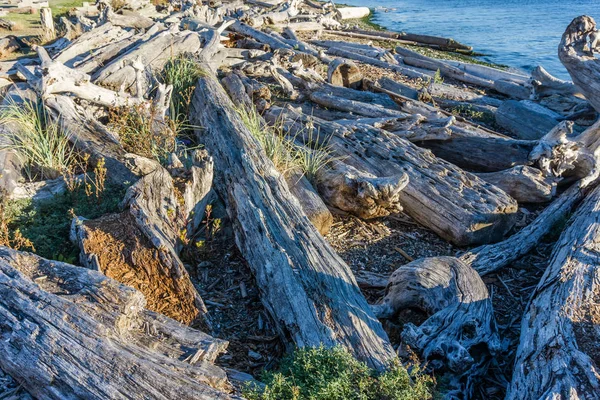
(334, 374)
(45, 225)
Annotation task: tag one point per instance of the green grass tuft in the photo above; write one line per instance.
(37, 140)
(182, 72)
(334, 374)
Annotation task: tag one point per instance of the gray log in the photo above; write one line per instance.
(558, 348)
(93, 339)
(525, 119)
(314, 300)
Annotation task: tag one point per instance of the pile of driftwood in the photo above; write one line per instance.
(395, 142)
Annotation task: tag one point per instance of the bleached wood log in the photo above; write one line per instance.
(310, 201)
(490, 258)
(93, 338)
(86, 137)
(360, 193)
(438, 90)
(512, 89)
(525, 119)
(482, 154)
(127, 19)
(560, 154)
(457, 300)
(6, 24)
(414, 128)
(415, 59)
(581, 64)
(410, 72)
(545, 84)
(138, 247)
(262, 37)
(55, 78)
(313, 300)
(439, 195)
(96, 59)
(490, 73)
(344, 73)
(425, 39)
(352, 12)
(151, 55)
(90, 41)
(8, 44)
(48, 31)
(524, 184)
(558, 347)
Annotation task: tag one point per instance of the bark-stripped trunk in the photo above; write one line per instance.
(310, 292)
(558, 354)
(94, 339)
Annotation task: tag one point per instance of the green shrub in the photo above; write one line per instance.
(334, 374)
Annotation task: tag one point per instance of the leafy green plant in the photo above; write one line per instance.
(334, 374)
(38, 141)
(437, 77)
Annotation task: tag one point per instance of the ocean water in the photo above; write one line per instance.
(518, 33)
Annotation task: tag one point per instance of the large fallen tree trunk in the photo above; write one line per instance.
(93, 339)
(558, 354)
(310, 292)
(460, 336)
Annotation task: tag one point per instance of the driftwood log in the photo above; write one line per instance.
(94, 339)
(558, 350)
(456, 205)
(460, 335)
(579, 60)
(138, 247)
(310, 292)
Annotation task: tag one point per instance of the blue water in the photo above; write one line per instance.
(518, 33)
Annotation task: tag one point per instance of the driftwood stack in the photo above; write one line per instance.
(394, 138)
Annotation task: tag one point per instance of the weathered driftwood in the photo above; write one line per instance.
(524, 184)
(93, 338)
(410, 72)
(560, 154)
(90, 41)
(581, 64)
(85, 134)
(8, 44)
(6, 24)
(55, 78)
(457, 300)
(127, 19)
(307, 288)
(352, 12)
(344, 73)
(360, 193)
(418, 60)
(525, 119)
(557, 355)
(437, 90)
(312, 205)
(490, 73)
(482, 154)
(90, 62)
(456, 205)
(146, 57)
(138, 248)
(545, 84)
(490, 258)
(425, 39)
(47, 23)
